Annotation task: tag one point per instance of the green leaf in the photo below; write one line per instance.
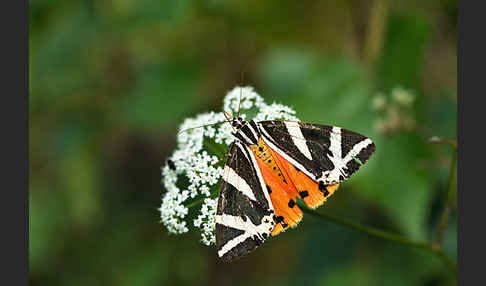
(162, 95)
(403, 52)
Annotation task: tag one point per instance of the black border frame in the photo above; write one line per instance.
(15, 126)
(15, 121)
(471, 195)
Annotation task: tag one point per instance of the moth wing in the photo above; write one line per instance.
(313, 194)
(244, 216)
(282, 194)
(327, 154)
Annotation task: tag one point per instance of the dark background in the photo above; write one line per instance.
(110, 81)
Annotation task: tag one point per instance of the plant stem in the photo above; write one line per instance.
(213, 195)
(385, 235)
(195, 203)
(451, 187)
(375, 30)
(438, 140)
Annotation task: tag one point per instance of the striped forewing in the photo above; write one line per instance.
(244, 217)
(327, 154)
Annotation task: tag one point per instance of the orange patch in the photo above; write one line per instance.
(287, 213)
(305, 188)
(285, 183)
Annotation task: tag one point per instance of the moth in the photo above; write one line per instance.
(268, 166)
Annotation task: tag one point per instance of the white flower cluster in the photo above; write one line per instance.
(205, 221)
(202, 170)
(395, 114)
(402, 96)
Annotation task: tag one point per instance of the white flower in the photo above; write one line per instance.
(206, 221)
(402, 96)
(396, 114)
(199, 159)
(379, 102)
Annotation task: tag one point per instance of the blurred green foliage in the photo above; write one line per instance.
(111, 80)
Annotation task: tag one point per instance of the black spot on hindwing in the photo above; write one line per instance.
(304, 194)
(291, 203)
(278, 219)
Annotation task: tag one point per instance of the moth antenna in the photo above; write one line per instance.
(205, 125)
(241, 89)
(228, 116)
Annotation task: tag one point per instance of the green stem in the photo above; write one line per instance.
(213, 195)
(438, 140)
(451, 191)
(195, 203)
(375, 30)
(385, 235)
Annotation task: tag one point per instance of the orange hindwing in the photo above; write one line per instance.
(311, 192)
(282, 191)
(284, 183)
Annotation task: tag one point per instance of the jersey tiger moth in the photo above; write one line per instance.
(268, 165)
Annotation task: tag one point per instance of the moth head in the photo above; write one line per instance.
(235, 122)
